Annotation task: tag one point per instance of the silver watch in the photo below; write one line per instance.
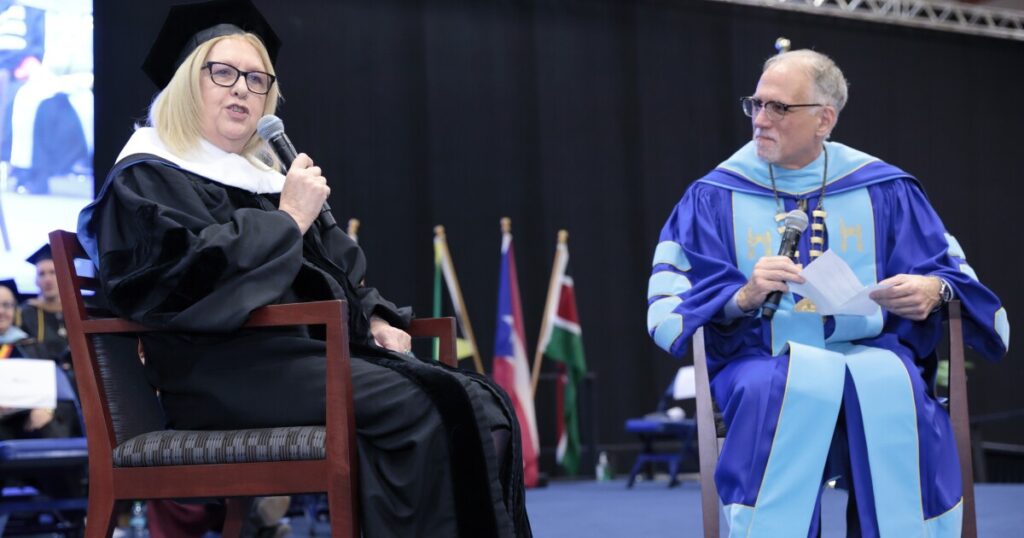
(945, 291)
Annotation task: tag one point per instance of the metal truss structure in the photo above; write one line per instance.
(933, 14)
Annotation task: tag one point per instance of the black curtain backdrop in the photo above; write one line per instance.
(595, 116)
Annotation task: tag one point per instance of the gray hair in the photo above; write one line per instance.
(830, 85)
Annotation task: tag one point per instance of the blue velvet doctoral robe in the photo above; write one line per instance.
(782, 384)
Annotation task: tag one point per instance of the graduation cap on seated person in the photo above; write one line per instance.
(10, 284)
(44, 253)
(189, 25)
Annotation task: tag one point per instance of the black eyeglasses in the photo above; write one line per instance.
(774, 109)
(227, 75)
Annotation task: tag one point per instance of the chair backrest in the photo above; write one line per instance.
(959, 412)
(134, 406)
(707, 438)
(117, 401)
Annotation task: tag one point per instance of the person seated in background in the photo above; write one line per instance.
(193, 230)
(11, 336)
(16, 343)
(798, 385)
(37, 423)
(42, 317)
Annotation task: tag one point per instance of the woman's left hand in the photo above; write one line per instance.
(389, 337)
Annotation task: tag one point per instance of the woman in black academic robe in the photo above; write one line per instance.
(193, 232)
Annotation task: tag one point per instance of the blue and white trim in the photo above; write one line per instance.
(792, 477)
(955, 250)
(671, 253)
(1001, 323)
(666, 284)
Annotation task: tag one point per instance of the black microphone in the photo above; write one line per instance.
(796, 223)
(271, 130)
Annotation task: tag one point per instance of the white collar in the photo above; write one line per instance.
(208, 161)
(13, 334)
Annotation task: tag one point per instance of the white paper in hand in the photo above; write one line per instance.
(28, 383)
(833, 288)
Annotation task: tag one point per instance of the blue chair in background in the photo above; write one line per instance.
(666, 424)
(62, 459)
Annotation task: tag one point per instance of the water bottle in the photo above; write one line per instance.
(137, 523)
(603, 471)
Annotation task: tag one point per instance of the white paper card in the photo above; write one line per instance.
(685, 385)
(834, 289)
(28, 383)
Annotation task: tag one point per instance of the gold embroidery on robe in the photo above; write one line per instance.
(847, 232)
(765, 240)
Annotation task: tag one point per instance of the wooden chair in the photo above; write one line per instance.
(711, 431)
(132, 456)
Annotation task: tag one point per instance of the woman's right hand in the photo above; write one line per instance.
(304, 193)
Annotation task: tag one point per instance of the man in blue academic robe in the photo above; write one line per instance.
(800, 386)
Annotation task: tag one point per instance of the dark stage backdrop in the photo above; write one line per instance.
(595, 116)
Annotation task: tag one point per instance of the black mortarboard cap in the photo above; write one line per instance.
(189, 25)
(10, 284)
(44, 253)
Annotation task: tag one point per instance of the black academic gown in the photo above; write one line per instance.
(179, 251)
(50, 336)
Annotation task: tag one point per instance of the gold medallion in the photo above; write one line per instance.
(805, 305)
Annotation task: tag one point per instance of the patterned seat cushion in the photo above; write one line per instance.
(171, 447)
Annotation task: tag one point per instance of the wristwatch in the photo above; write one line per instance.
(945, 291)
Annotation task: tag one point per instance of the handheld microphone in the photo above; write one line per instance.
(796, 223)
(271, 130)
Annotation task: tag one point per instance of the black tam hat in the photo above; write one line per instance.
(13, 286)
(44, 253)
(189, 25)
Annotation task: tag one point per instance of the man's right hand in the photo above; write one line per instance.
(304, 193)
(770, 274)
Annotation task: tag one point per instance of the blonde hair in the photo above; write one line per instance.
(176, 112)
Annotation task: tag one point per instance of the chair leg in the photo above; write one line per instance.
(237, 510)
(673, 473)
(342, 502)
(634, 471)
(99, 520)
(709, 500)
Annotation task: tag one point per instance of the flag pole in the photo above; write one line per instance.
(353, 229)
(460, 302)
(554, 288)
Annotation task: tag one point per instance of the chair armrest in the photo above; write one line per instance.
(277, 315)
(442, 328)
(312, 313)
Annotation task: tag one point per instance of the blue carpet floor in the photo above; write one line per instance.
(651, 510)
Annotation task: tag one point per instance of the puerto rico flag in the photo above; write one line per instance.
(511, 369)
